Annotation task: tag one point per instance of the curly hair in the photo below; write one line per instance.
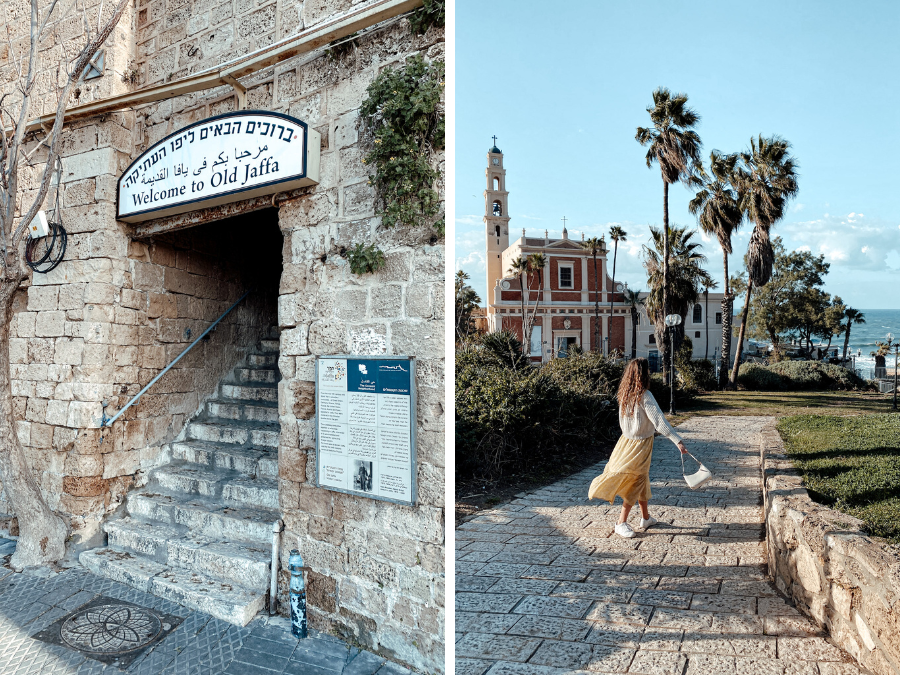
(635, 381)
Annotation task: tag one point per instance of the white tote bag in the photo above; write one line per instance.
(695, 480)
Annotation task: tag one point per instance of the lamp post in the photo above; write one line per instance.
(672, 320)
(890, 340)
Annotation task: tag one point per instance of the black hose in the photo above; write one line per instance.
(53, 254)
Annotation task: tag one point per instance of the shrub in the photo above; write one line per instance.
(698, 375)
(798, 376)
(756, 377)
(815, 376)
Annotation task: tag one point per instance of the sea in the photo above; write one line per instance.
(879, 322)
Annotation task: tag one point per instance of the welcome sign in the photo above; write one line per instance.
(222, 159)
(365, 426)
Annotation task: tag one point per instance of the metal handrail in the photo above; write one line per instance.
(107, 421)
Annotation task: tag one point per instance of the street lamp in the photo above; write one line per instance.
(672, 320)
(890, 339)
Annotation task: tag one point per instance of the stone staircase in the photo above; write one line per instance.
(200, 532)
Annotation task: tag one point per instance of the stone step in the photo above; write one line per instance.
(246, 392)
(252, 434)
(204, 516)
(257, 492)
(247, 461)
(243, 411)
(270, 346)
(245, 564)
(192, 479)
(222, 600)
(268, 375)
(262, 360)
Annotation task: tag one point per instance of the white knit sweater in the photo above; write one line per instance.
(646, 420)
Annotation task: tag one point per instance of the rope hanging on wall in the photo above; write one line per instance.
(43, 254)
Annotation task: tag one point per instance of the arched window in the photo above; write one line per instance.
(698, 313)
(498, 210)
(496, 183)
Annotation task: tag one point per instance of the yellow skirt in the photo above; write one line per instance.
(627, 473)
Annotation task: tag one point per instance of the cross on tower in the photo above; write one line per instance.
(564, 222)
(495, 139)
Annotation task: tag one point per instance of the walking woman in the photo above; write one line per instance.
(627, 473)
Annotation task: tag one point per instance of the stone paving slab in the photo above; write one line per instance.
(201, 645)
(544, 587)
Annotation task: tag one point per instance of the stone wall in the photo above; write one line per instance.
(378, 568)
(844, 580)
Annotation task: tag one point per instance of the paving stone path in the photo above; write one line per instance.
(543, 586)
(201, 645)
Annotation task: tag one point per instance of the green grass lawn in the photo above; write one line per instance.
(851, 463)
(781, 403)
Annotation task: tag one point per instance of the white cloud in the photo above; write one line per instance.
(853, 242)
(474, 261)
(527, 217)
(468, 220)
(798, 208)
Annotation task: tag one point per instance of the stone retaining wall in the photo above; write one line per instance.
(844, 580)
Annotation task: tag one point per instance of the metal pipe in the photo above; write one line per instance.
(273, 586)
(107, 421)
(298, 595)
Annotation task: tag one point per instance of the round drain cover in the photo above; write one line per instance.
(110, 629)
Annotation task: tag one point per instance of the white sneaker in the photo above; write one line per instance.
(650, 522)
(624, 530)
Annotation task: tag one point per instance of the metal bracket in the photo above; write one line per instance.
(239, 90)
(94, 68)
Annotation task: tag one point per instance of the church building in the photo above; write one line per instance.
(567, 292)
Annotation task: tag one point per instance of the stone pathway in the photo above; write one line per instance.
(201, 645)
(544, 587)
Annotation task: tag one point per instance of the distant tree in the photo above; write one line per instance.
(467, 301)
(766, 180)
(595, 245)
(717, 207)
(519, 267)
(616, 234)
(686, 278)
(675, 146)
(634, 302)
(851, 316)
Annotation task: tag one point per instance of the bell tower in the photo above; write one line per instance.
(496, 220)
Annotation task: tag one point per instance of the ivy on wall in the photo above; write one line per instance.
(365, 259)
(403, 116)
(431, 13)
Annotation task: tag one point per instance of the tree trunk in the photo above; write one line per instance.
(634, 328)
(596, 306)
(613, 294)
(537, 301)
(706, 316)
(526, 349)
(846, 340)
(727, 311)
(665, 297)
(42, 534)
(737, 354)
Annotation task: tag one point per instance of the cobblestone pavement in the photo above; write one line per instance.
(544, 587)
(201, 645)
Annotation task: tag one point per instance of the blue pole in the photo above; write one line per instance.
(298, 595)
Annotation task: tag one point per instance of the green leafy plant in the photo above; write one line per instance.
(431, 13)
(365, 259)
(404, 118)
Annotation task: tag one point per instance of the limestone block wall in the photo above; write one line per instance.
(845, 581)
(104, 322)
(378, 568)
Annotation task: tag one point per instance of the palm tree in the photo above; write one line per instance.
(718, 211)
(594, 245)
(519, 267)
(766, 180)
(617, 234)
(466, 302)
(536, 264)
(634, 302)
(686, 278)
(676, 147)
(852, 316)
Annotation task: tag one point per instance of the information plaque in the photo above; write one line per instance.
(366, 426)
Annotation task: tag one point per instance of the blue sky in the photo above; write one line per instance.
(564, 86)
